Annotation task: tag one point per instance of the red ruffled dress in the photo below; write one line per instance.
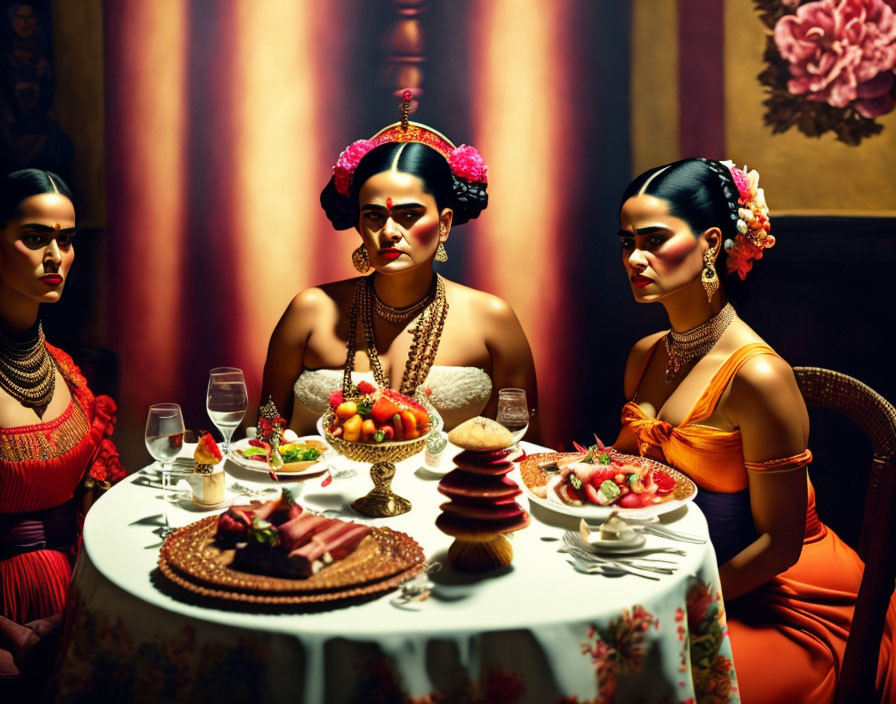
(41, 466)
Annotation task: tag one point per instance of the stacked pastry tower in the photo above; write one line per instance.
(482, 505)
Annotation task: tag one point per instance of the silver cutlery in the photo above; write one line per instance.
(577, 548)
(659, 566)
(585, 568)
(575, 539)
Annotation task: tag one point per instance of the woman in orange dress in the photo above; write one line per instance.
(710, 398)
(54, 444)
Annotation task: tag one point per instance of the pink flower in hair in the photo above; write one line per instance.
(347, 162)
(467, 163)
(753, 236)
(742, 183)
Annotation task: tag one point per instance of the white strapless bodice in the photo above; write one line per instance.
(458, 393)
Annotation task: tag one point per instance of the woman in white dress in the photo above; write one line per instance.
(402, 326)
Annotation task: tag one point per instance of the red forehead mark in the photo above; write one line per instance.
(389, 203)
(56, 226)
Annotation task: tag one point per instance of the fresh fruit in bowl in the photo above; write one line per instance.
(376, 416)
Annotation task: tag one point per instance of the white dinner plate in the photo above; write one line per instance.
(593, 512)
(314, 469)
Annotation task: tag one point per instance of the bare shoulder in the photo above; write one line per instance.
(310, 308)
(485, 306)
(766, 385)
(636, 360)
(320, 299)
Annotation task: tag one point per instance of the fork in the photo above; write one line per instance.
(571, 538)
(658, 566)
(575, 546)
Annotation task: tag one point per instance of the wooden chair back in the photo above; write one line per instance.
(877, 544)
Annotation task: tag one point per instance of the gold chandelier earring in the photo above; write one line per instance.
(361, 260)
(709, 278)
(441, 252)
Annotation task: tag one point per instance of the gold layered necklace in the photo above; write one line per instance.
(407, 313)
(682, 347)
(432, 310)
(27, 372)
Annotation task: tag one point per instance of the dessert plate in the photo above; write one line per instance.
(535, 478)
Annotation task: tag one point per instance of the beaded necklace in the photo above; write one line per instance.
(427, 333)
(27, 372)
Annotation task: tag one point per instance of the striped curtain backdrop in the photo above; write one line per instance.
(223, 121)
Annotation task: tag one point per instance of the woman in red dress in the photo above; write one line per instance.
(712, 399)
(54, 434)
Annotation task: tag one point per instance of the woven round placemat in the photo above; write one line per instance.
(191, 552)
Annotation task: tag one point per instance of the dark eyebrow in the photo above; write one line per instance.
(401, 206)
(644, 231)
(48, 229)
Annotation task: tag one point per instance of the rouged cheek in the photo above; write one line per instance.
(673, 253)
(424, 232)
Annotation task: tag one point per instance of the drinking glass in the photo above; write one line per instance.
(513, 412)
(226, 401)
(164, 438)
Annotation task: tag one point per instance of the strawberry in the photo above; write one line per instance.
(335, 398)
(365, 387)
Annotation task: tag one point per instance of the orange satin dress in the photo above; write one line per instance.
(789, 635)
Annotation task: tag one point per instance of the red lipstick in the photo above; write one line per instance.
(51, 279)
(391, 254)
(641, 281)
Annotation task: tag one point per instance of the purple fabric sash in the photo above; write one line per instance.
(53, 528)
(730, 521)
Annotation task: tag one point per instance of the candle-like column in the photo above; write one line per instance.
(404, 44)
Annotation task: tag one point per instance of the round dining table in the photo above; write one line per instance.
(539, 630)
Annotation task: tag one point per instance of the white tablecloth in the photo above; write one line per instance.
(537, 632)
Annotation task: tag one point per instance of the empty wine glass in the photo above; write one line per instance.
(164, 438)
(513, 412)
(227, 400)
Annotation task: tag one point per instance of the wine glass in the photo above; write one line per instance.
(227, 400)
(164, 438)
(513, 412)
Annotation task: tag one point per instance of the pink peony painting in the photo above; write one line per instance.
(829, 65)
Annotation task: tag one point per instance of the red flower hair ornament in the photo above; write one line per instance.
(465, 161)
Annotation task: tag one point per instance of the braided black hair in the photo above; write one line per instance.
(701, 192)
(466, 199)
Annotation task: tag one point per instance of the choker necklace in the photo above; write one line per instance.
(27, 372)
(402, 315)
(424, 346)
(682, 347)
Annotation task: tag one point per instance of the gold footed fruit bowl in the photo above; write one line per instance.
(381, 501)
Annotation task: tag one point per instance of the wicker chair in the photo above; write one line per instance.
(877, 545)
